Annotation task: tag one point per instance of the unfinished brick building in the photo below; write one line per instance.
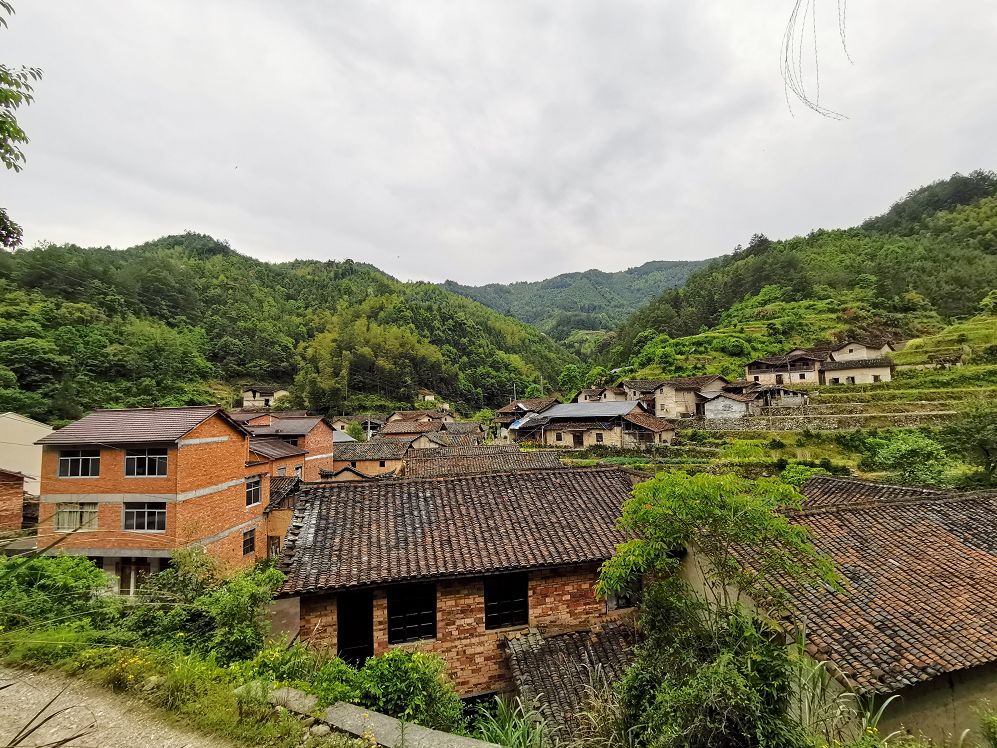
(455, 566)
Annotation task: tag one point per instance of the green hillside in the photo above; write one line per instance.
(591, 300)
(927, 262)
(185, 318)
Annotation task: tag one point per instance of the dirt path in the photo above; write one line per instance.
(119, 721)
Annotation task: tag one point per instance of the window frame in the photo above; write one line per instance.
(133, 460)
(505, 610)
(249, 542)
(154, 509)
(405, 609)
(599, 437)
(299, 471)
(69, 508)
(559, 436)
(254, 486)
(79, 457)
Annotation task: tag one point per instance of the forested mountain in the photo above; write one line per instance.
(591, 300)
(931, 258)
(184, 318)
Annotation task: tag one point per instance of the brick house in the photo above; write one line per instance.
(11, 501)
(314, 434)
(131, 486)
(451, 565)
(372, 458)
(276, 457)
(610, 423)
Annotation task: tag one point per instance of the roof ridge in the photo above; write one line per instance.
(882, 503)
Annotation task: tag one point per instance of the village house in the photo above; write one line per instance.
(426, 396)
(427, 571)
(441, 414)
(682, 397)
(261, 396)
(482, 460)
(18, 450)
(277, 457)
(370, 424)
(376, 457)
(409, 428)
(730, 405)
(517, 409)
(11, 501)
(313, 434)
(132, 486)
(611, 424)
(850, 362)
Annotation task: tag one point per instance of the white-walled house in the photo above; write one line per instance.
(18, 451)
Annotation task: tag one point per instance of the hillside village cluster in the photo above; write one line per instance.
(479, 544)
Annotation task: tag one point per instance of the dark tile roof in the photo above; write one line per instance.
(526, 405)
(495, 462)
(415, 415)
(274, 449)
(694, 383)
(468, 451)
(282, 487)
(446, 439)
(410, 427)
(375, 449)
(556, 670)
(333, 474)
(861, 363)
(356, 534)
(643, 385)
(920, 594)
(134, 425)
(463, 427)
(287, 426)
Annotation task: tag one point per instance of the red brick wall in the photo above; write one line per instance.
(11, 502)
(560, 598)
(318, 441)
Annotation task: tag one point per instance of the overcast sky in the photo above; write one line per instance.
(485, 141)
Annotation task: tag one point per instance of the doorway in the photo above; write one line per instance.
(355, 626)
(576, 440)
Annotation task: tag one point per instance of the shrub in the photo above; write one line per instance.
(796, 474)
(40, 590)
(777, 444)
(914, 457)
(511, 723)
(336, 681)
(412, 686)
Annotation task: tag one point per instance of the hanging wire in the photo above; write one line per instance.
(794, 53)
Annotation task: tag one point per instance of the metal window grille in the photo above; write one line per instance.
(146, 516)
(507, 601)
(411, 613)
(76, 516)
(253, 491)
(145, 462)
(79, 463)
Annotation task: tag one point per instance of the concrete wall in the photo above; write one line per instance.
(858, 352)
(19, 452)
(261, 399)
(722, 407)
(558, 598)
(610, 437)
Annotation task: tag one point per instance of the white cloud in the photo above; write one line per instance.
(484, 141)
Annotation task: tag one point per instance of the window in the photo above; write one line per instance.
(145, 516)
(79, 463)
(598, 437)
(249, 542)
(835, 380)
(69, 517)
(627, 598)
(411, 613)
(292, 440)
(145, 462)
(559, 437)
(281, 471)
(506, 601)
(756, 379)
(297, 471)
(381, 463)
(851, 350)
(803, 376)
(353, 463)
(253, 491)
(876, 378)
(273, 546)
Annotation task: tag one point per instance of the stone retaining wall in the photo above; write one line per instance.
(818, 423)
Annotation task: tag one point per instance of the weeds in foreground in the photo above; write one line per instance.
(33, 727)
(512, 723)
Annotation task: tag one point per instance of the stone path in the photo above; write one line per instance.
(111, 720)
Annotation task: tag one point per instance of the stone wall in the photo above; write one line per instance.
(817, 423)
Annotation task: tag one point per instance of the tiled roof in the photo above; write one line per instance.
(556, 670)
(694, 383)
(524, 405)
(281, 487)
(357, 534)
(134, 425)
(463, 427)
(289, 426)
(341, 437)
(748, 397)
(274, 449)
(821, 492)
(415, 415)
(495, 462)
(410, 427)
(469, 451)
(860, 363)
(920, 593)
(375, 449)
(602, 409)
(643, 385)
(454, 440)
(649, 422)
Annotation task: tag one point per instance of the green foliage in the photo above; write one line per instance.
(796, 474)
(511, 723)
(412, 686)
(914, 457)
(908, 214)
(579, 302)
(356, 431)
(571, 379)
(974, 434)
(533, 391)
(39, 590)
(715, 514)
